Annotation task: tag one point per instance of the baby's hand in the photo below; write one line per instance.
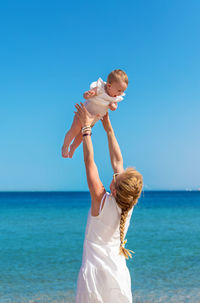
(89, 94)
(113, 106)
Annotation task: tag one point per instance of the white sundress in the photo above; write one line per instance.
(104, 276)
(100, 104)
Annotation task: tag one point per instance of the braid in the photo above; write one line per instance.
(124, 215)
(128, 190)
(122, 250)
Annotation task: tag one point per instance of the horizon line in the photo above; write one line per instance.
(87, 191)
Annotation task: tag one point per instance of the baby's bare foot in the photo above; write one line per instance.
(71, 151)
(65, 152)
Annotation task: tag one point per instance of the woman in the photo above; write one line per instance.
(104, 276)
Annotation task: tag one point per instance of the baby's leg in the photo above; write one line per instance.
(70, 135)
(77, 141)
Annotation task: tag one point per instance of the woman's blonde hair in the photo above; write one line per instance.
(117, 75)
(128, 189)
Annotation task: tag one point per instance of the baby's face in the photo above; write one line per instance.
(115, 89)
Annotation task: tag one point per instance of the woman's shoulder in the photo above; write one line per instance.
(114, 203)
(110, 212)
(106, 200)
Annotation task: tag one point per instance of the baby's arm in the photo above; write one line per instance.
(113, 106)
(90, 93)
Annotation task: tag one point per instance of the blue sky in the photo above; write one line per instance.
(51, 51)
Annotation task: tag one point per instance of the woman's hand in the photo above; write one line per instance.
(106, 123)
(84, 116)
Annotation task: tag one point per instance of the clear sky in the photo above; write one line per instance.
(50, 52)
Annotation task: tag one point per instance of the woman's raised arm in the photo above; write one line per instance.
(114, 149)
(95, 185)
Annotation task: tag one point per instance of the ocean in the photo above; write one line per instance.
(41, 243)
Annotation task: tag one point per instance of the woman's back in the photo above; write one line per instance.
(104, 228)
(104, 276)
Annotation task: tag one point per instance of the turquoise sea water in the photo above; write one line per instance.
(41, 241)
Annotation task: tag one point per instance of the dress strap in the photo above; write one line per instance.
(102, 202)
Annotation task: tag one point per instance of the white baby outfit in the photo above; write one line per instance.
(104, 276)
(100, 104)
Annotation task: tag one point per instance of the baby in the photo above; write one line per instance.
(101, 97)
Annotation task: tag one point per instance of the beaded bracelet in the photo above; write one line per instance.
(86, 131)
(85, 128)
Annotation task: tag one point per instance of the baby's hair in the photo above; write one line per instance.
(117, 75)
(128, 190)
